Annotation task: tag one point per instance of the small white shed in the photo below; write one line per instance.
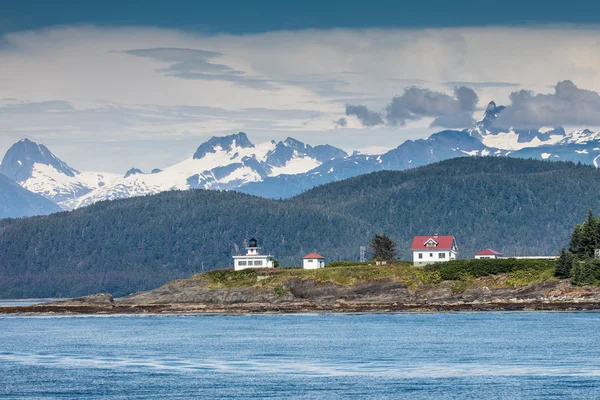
(313, 261)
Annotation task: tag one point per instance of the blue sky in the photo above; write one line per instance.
(118, 84)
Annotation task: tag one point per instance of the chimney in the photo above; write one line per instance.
(436, 234)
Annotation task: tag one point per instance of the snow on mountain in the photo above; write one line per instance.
(58, 187)
(410, 154)
(19, 160)
(223, 163)
(511, 139)
(581, 137)
(36, 169)
(544, 143)
(286, 168)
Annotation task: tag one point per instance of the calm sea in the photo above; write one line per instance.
(308, 356)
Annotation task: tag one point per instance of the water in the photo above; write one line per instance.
(25, 302)
(308, 356)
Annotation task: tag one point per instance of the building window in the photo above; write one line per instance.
(430, 255)
(310, 260)
(420, 255)
(258, 262)
(442, 255)
(242, 263)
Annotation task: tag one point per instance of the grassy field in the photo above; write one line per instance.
(463, 274)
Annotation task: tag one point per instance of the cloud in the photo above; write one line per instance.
(195, 64)
(133, 83)
(366, 116)
(568, 105)
(342, 122)
(51, 106)
(454, 121)
(416, 103)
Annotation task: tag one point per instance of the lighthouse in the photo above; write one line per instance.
(252, 258)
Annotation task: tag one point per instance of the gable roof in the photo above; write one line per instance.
(488, 252)
(443, 243)
(313, 256)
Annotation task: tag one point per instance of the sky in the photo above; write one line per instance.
(112, 85)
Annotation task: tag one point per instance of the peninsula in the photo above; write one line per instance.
(461, 285)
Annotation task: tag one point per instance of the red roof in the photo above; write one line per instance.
(313, 256)
(443, 242)
(489, 252)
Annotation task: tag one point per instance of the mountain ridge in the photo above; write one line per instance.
(286, 168)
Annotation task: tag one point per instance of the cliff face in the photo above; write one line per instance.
(382, 291)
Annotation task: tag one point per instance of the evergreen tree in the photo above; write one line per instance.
(589, 241)
(383, 247)
(576, 243)
(564, 264)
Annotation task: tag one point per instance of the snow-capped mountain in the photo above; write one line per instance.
(220, 163)
(286, 168)
(36, 169)
(511, 139)
(410, 154)
(544, 143)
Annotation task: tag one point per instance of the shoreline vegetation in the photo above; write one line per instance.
(460, 285)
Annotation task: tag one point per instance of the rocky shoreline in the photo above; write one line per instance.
(198, 295)
(292, 308)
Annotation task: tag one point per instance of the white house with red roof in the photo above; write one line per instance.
(313, 261)
(488, 253)
(433, 249)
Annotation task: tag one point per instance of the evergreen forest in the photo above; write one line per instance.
(516, 206)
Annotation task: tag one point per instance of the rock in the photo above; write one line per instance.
(100, 299)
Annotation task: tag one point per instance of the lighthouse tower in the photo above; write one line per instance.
(252, 258)
(252, 248)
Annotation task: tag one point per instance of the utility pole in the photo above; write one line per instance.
(363, 253)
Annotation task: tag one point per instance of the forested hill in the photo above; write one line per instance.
(515, 206)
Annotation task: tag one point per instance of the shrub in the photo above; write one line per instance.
(462, 284)
(279, 291)
(348, 263)
(456, 269)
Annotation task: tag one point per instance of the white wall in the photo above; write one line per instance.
(432, 256)
(485, 256)
(242, 262)
(313, 263)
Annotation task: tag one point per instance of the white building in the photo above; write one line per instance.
(433, 249)
(313, 261)
(252, 259)
(488, 253)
